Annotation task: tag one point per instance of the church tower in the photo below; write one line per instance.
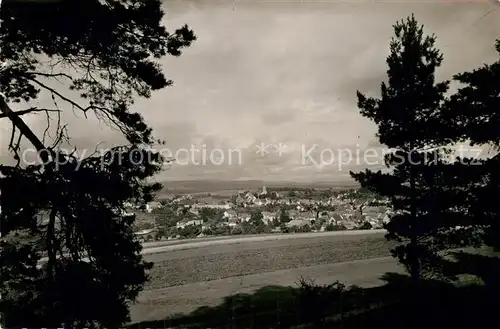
(264, 190)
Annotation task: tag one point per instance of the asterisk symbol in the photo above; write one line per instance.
(262, 149)
(280, 148)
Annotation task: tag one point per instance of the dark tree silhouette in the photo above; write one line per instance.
(92, 265)
(409, 122)
(101, 49)
(95, 57)
(476, 103)
(255, 225)
(476, 109)
(283, 217)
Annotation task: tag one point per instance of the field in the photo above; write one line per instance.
(183, 280)
(180, 267)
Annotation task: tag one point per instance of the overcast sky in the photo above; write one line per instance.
(287, 72)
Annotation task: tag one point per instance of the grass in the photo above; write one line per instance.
(218, 262)
(398, 304)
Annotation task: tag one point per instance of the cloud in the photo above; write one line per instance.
(279, 72)
(277, 118)
(374, 143)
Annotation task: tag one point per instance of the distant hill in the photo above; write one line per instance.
(200, 186)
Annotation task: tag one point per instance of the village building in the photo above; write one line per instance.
(297, 223)
(244, 216)
(147, 235)
(188, 221)
(229, 214)
(268, 217)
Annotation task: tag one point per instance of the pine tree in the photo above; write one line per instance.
(81, 267)
(476, 109)
(408, 115)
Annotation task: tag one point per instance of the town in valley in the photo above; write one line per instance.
(266, 210)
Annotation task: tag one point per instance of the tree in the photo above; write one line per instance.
(318, 209)
(256, 218)
(275, 222)
(409, 119)
(105, 52)
(333, 227)
(284, 218)
(166, 216)
(210, 215)
(365, 226)
(284, 228)
(237, 230)
(190, 231)
(85, 221)
(475, 106)
(305, 229)
(255, 225)
(317, 224)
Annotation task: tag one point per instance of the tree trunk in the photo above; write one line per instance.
(414, 257)
(51, 249)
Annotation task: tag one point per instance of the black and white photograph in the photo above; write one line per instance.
(249, 164)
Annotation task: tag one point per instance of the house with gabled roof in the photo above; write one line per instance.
(374, 221)
(147, 235)
(336, 219)
(297, 223)
(243, 216)
(268, 217)
(324, 216)
(233, 222)
(309, 215)
(230, 213)
(349, 225)
(189, 221)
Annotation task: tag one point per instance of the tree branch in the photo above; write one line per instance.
(30, 110)
(64, 98)
(25, 130)
(50, 75)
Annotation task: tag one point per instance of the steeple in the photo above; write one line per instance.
(264, 190)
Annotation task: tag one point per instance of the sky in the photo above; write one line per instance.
(269, 87)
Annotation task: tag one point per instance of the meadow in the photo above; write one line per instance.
(181, 267)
